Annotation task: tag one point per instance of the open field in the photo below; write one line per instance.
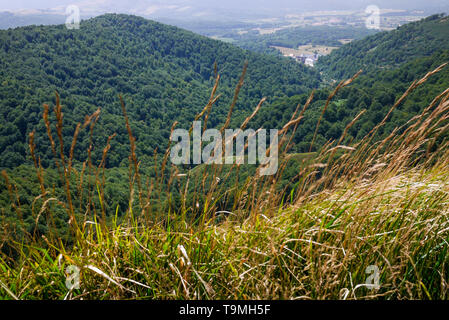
(306, 50)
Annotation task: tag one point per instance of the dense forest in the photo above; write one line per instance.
(165, 74)
(86, 181)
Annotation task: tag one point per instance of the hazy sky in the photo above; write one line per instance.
(275, 6)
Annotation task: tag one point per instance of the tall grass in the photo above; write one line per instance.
(381, 203)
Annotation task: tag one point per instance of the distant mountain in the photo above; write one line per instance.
(14, 20)
(165, 74)
(388, 50)
(230, 9)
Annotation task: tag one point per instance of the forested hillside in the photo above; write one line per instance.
(364, 184)
(165, 74)
(388, 50)
(375, 92)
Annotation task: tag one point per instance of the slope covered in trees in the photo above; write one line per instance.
(388, 50)
(165, 74)
(375, 92)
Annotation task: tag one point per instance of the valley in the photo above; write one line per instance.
(92, 120)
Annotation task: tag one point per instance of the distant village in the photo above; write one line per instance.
(307, 59)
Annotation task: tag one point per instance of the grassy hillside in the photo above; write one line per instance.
(362, 184)
(355, 208)
(388, 50)
(320, 249)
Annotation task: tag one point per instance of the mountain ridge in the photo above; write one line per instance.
(388, 50)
